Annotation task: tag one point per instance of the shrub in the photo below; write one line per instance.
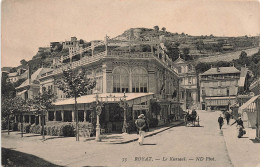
(3, 124)
(14, 126)
(26, 127)
(68, 130)
(153, 122)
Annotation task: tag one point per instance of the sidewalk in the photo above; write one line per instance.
(127, 138)
(245, 151)
(106, 138)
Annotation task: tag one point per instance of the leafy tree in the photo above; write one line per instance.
(243, 59)
(75, 85)
(202, 67)
(163, 29)
(156, 28)
(23, 62)
(8, 89)
(186, 52)
(200, 45)
(7, 110)
(43, 102)
(172, 50)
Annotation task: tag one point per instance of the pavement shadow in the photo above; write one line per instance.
(112, 137)
(255, 141)
(56, 137)
(17, 158)
(32, 136)
(149, 144)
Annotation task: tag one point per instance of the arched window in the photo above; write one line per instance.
(139, 80)
(120, 80)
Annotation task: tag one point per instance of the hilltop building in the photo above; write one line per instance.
(73, 45)
(144, 77)
(219, 87)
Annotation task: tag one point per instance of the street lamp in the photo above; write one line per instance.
(124, 105)
(98, 111)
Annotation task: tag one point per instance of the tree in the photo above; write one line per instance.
(75, 85)
(202, 67)
(156, 28)
(172, 50)
(43, 102)
(163, 29)
(186, 52)
(7, 108)
(8, 89)
(23, 62)
(243, 59)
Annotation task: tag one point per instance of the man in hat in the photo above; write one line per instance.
(140, 124)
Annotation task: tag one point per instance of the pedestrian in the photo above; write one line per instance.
(141, 124)
(227, 116)
(239, 122)
(220, 121)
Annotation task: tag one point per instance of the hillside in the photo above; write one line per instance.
(189, 47)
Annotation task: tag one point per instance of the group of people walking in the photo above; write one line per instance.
(228, 115)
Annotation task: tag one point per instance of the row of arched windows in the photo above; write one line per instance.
(121, 80)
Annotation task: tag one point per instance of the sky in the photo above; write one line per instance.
(29, 24)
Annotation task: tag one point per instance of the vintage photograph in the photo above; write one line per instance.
(162, 83)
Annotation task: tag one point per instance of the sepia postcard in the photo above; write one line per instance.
(130, 83)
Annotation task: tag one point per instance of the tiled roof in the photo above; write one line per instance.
(222, 70)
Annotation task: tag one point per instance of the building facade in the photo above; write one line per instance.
(219, 87)
(188, 82)
(143, 77)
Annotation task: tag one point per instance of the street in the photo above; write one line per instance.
(178, 146)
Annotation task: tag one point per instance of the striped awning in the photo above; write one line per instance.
(249, 106)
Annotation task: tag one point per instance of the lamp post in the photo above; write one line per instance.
(124, 105)
(98, 111)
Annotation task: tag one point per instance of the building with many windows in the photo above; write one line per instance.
(188, 82)
(144, 77)
(219, 87)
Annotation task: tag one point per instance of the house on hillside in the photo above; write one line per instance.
(15, 76)
(219, 87)
(31, 87)
(74, 45)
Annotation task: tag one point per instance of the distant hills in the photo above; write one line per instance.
(190, 47)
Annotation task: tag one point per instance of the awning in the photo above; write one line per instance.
(20, 93)
(249, 106)
(104, 97)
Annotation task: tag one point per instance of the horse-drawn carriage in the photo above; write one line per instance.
(191, 119)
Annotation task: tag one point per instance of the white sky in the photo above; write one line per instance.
(29, 24)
